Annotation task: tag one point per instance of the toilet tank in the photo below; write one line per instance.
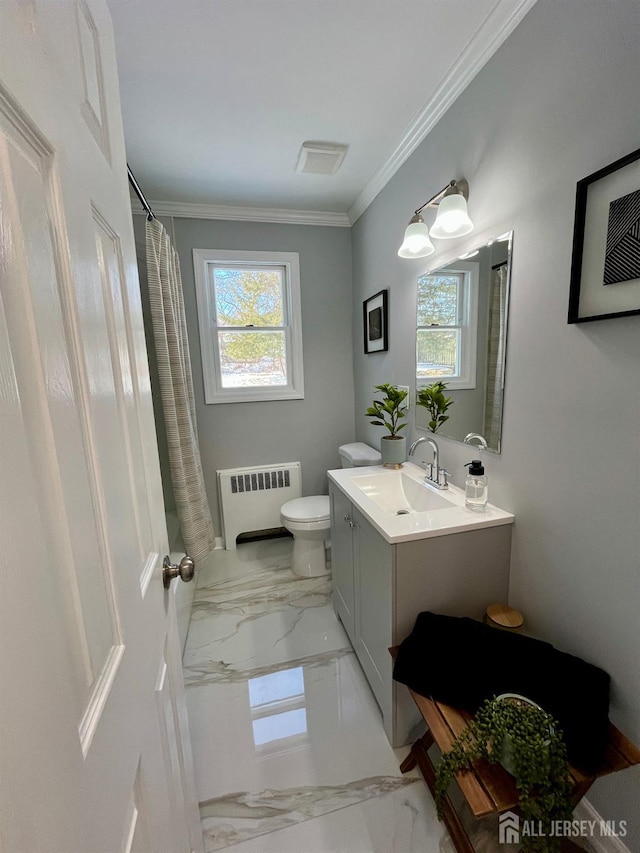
(358, 454)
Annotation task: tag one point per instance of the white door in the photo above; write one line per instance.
(94, 752)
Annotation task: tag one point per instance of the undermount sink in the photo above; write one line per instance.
(396, 493)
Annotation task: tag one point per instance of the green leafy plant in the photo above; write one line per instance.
(432, 398)
(529, 743)
(389, 411)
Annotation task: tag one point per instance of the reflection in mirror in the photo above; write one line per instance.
(461, 340)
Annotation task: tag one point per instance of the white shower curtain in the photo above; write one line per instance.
(176, 388)
(495, 357)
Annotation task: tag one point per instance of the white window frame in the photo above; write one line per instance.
(203, 259)
(468, 325)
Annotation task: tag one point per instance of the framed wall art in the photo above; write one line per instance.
(374, 317)
(605, 266)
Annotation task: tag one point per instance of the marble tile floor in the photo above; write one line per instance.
(289, 750)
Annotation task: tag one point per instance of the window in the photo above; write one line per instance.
(250, 325)
(446, 333)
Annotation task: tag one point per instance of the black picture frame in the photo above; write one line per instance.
(606, 202)
(374, 320)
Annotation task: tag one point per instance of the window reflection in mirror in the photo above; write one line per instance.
(461, 339)
(447, 324)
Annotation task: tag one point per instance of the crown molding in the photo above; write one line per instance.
(247, 214)
(491, 34)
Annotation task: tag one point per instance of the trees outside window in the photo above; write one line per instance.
(249, 313)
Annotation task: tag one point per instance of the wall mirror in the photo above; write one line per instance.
(461, 340)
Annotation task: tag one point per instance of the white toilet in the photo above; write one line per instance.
(308, 519)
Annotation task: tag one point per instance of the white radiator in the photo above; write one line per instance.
(250, 498)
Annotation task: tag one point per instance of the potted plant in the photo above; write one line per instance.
(432, 398)
(527, 741)
(388, 412)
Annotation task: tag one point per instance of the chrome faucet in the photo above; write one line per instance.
(434, 474)
(415, 444)
(470, 436)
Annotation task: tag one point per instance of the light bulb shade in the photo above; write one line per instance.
(416, 243)
(452, 219)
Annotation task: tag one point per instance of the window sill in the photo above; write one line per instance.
(452, 384)
(253, 396)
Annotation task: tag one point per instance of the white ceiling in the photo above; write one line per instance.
(219, 95)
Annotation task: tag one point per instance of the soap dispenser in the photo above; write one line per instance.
(476, 487)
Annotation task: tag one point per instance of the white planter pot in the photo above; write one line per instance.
(393, 450)
(506, 757)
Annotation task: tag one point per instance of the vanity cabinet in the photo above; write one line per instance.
(380, 587)
(342, 526)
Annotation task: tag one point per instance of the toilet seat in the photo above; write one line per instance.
(307, 510)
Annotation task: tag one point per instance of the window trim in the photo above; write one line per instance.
(468, 327)
(292, 308)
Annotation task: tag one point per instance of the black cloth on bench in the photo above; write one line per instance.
(462, 662)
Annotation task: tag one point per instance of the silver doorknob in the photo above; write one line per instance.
(184, 570)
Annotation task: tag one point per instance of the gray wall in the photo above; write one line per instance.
(558, 101)
(310, 430)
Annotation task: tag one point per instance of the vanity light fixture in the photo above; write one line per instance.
(416, 243)
(452, 220)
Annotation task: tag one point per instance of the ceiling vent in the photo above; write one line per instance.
(320, 158)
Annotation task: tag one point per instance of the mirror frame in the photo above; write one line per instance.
(506, 237)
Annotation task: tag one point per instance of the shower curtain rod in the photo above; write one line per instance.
(501, 264)
(140, 194)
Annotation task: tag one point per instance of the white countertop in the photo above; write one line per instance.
(416, 525)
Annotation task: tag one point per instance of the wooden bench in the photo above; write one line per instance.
(488, 788)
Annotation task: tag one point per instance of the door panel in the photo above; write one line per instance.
(109, 257)
(42, 372)
(94, 744)
(138, 832)
(93, 108)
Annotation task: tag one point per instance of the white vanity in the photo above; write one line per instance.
(398, 547)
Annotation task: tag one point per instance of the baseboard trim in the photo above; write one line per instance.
(596, 843)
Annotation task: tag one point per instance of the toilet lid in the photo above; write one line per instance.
(315, 508)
